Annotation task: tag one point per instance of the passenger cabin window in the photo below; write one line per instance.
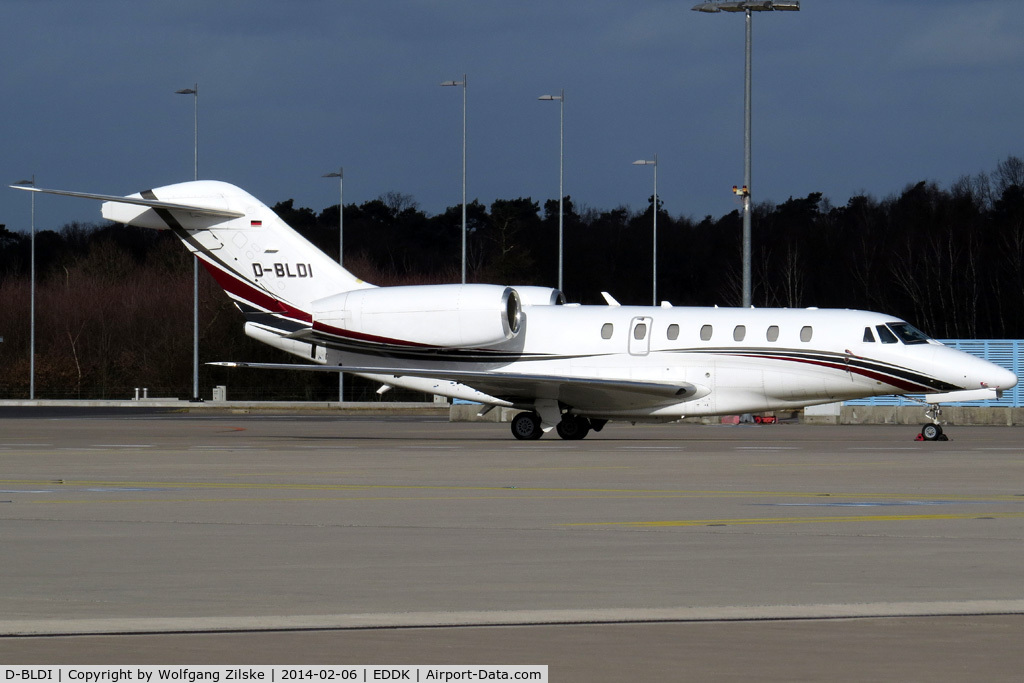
(739, 333)
(885, 335)
(806, 332)
(673, 331)
(705, 333)
(606, 331)
(640, 331)
(773, 333)
(868, 337)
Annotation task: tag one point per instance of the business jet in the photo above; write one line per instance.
(567, 367)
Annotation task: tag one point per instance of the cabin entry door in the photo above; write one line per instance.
(640, 336)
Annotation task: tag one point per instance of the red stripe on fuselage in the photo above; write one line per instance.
(349, 334)
(240, 288)
(243, 290)
(891, 381)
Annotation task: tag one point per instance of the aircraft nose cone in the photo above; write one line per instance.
(1003, 379)
(978, 372)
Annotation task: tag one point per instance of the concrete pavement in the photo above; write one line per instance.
(775, 552)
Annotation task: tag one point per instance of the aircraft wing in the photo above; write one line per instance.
(588, 393)
(152, 203)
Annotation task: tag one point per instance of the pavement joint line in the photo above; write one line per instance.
(978, 515)
(69, 484)
(212, 624)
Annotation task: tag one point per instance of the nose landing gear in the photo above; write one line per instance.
(933, 431)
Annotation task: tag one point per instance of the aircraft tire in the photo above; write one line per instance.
(526, 426)
(573, 428)
(932, 432)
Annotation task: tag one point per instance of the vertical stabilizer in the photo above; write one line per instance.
(264, 265)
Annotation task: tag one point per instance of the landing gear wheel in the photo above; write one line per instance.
(573, 428)
(526, 426)
(933, 432)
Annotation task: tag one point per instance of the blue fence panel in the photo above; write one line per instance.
(1004, 352)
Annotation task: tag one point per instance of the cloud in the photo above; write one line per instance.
(976, 34)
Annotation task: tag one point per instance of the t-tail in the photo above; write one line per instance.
(264, 265)
(297, 298)
(271, 272)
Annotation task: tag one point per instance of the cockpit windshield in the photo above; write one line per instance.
(907, 333)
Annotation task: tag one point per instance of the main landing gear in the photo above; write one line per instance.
(573, 427)
(527, 426)
(933, 431)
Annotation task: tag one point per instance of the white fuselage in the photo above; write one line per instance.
(742, 360)
(517, 346)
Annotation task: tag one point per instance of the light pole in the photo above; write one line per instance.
(561, 165)
(654, 256)
(32, 296)
(194, 91)
(748, 8)
(464, 83)
(340, 175)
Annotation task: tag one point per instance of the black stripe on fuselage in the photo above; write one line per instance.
(285, 326)
(185, 236)
(898, 376)
(434, 353)
(274, 321)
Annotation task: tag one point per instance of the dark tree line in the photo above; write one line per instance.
(114, 303)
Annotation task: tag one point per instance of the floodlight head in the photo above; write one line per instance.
(451, 83)
(751, 5)
(549, 97)
(185, 91)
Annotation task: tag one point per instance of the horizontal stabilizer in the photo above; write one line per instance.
(152, 203)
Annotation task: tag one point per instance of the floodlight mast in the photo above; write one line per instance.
(32, 296)
(654, 229)
(747, 7)
(560, 98)
(465, 85)
(340, 175)
(194, 92)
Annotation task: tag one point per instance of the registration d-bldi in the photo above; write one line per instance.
(271, 674)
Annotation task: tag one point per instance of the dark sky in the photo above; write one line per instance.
(849, 97)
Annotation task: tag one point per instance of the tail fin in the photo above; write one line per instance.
(264, 265)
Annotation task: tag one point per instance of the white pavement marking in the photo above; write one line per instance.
(506, 618)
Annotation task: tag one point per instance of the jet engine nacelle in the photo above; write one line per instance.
(430, 315)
